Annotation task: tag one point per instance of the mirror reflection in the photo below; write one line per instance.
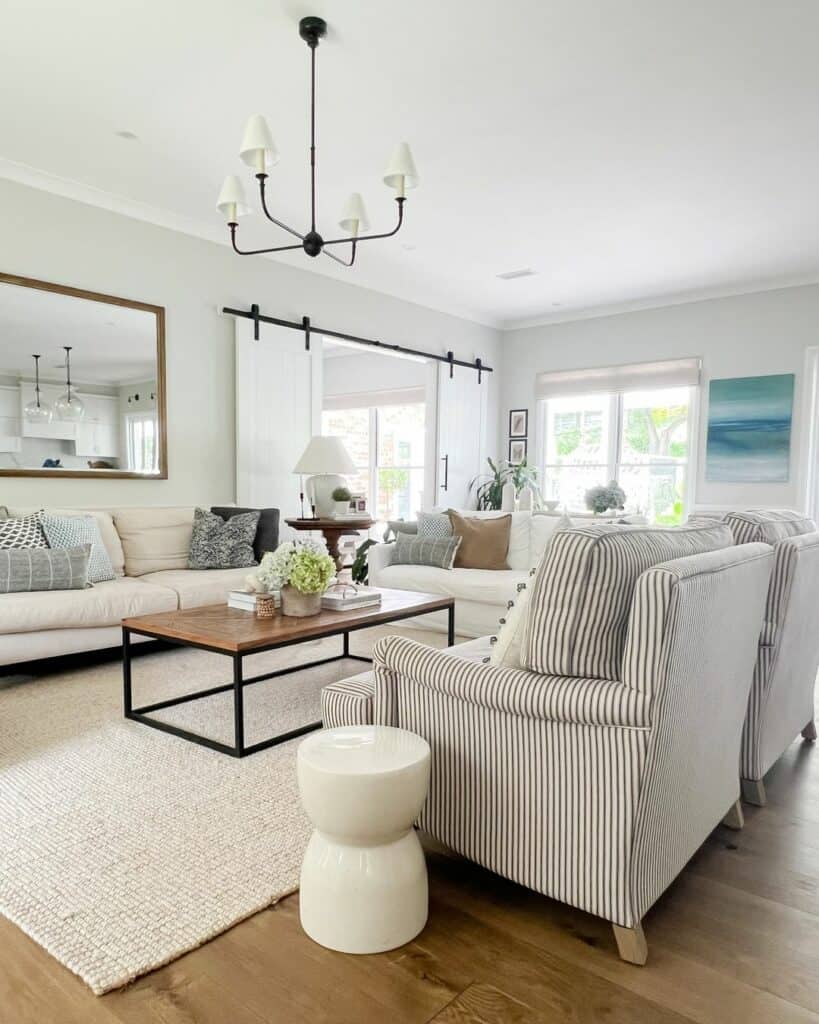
(80, 382)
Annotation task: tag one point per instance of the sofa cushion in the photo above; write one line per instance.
(33, 570)
(583, 589)
(438, 553)
(23, 532)
(218, 543)
(484, 542)
(487, 586)
(154, 538)
(108, 532)
(543, 527)
(72, 531)
(267, 532)
(768, 525)
(434, 525)
(104, 604)
(197, 587)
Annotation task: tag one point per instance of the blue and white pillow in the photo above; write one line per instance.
(434, 525)
(75, 531)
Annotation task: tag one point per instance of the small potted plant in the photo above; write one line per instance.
(600, 499)
(301, 570)
(341, 496)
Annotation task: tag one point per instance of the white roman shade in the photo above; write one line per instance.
(367, 399)
(669, 373)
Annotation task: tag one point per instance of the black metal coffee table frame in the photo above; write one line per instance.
(239, 748)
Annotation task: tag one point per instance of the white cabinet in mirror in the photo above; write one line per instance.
(82, 383)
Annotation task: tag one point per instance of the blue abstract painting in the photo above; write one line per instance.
(749, 429)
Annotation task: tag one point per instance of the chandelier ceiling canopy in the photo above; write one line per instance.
(259, 152)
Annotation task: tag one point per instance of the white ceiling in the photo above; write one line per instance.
(110, 344)
(629, 151)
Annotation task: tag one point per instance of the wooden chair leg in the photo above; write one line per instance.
(753, 792)
(734, 818)
(809, 732)
(631, 944)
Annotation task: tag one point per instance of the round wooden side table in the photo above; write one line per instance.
(333, 530)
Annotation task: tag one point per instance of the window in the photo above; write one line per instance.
(386, 443)
(639, 437)
(143, 451)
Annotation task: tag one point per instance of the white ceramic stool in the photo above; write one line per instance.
(364, 878)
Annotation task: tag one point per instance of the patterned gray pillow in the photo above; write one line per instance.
(24, 570)
(425, 551)
(436, 525)
(23, 532)
(74, 531)
(218, 543)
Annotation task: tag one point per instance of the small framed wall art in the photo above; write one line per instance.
(518, 448)
(518, 423)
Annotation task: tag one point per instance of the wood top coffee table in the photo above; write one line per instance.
(235, 633)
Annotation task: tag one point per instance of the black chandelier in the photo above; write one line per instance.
(259, 152)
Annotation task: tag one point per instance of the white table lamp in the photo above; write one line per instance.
(327, 460)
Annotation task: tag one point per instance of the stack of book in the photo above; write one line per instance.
(343, 598)
(247, 601)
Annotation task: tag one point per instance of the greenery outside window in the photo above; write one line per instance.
(640, 438)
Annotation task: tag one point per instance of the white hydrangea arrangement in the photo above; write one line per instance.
(302, 563)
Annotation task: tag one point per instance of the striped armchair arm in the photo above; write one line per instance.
(348, 701)
(514, 691)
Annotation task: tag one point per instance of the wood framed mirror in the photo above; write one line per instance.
(111, 420)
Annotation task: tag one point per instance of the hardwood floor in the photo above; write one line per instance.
(735, 939)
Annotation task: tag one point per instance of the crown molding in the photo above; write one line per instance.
(662, 301)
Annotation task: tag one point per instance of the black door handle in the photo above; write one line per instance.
(445, 484)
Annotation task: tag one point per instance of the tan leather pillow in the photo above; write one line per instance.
(484, 542)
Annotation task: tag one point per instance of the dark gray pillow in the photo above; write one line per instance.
(267, 532)
(425, 551)
(217, 543)
(24, 570)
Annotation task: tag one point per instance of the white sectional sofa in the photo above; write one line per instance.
(481, 595)
(148, 548)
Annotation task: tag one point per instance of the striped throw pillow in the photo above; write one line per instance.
(440, 554)
(75, 531)
(582, 593)
(24, 570)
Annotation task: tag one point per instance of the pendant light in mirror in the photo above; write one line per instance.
(37, 411)
(68, 406)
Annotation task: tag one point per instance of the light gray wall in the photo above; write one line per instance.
(57, 239)
(746, 335)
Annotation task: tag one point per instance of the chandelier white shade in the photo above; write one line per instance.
(258, 151)
(401, 173)
(232, 202)
(354, 216)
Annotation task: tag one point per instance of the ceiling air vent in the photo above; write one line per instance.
(510, 275)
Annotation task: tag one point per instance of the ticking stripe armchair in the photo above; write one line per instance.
(595, 787)
(781, 703)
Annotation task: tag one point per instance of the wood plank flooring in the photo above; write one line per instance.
(735, 939)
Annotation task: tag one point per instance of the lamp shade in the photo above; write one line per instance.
(325, 455)
(354, 216)
(258, 150)
(232, 202)
(401, 172)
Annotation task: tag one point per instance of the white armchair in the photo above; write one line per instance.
(594, 790)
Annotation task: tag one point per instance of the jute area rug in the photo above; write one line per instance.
(121, 848)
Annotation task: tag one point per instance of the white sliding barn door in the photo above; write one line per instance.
(278, 409)
(461, 434)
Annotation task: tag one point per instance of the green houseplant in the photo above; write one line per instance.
(341, 497)
(489, 487)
